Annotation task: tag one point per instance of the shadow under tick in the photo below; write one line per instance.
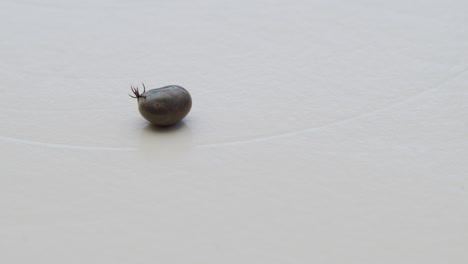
(165, 143)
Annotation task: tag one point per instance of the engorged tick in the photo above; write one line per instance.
(163, 106)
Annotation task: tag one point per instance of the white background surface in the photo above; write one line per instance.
(321, 132)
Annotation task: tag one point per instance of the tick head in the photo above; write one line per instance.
(137, 93)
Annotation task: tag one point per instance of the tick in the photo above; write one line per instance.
(163, 106)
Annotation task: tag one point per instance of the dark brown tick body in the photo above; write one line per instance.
(163, 106)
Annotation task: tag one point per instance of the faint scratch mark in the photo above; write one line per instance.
(64, 146)
(252, 140)
(39, 111)
(343, 121)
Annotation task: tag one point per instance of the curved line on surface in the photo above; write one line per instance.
(350, 119)
(39, 111)
(64, 146)
(247, 141)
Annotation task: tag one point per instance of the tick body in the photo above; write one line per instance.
(163, 106)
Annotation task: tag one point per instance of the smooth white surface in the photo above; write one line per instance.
(321, 132)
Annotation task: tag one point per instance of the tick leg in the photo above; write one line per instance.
(135, 91)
